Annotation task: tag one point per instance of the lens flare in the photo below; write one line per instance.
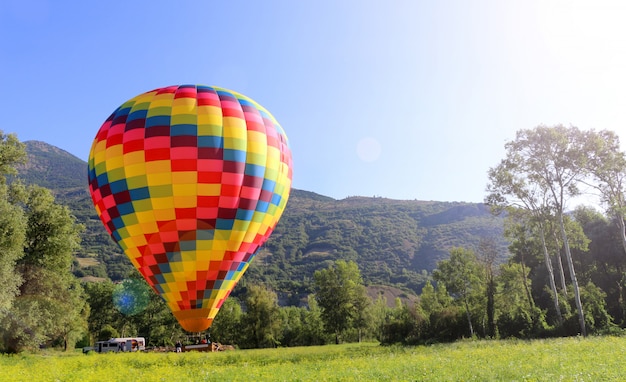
(131, 296)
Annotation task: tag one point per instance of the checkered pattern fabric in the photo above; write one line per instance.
(190, 181)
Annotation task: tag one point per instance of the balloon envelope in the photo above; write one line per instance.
(190, 181)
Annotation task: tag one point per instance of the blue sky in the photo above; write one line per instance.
(400, 99)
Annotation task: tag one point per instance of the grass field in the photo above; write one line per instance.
(566, 359)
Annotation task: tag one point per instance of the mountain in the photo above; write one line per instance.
(396, 243)
(53, 168)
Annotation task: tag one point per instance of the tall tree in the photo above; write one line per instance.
(518, 314)
(339, 292)
(72, 323)
(380, 315)
(527, 203)
(52, 235)
(556, 159)
(292, 321)
(12, 152)
(51, 305)
(363, 313)
(12, 223)
(461, 274)
(608, 169)
(12, 234)
(313, 324)
(262, 318)
(434, 299)
(522, 249)
(487, 255)
(99, 296)
(226, 327)
(605, 262)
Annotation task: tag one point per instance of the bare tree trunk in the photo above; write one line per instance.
(529, 296)
(570, 263)
(562, 272)
(469, 317)
(491, 321)
(622, 230)
(488, 253)
(560, 264)
(555, 293)
(620, 300)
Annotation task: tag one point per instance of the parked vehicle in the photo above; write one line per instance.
(125, 344)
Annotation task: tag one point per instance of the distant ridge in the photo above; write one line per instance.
(52, 167)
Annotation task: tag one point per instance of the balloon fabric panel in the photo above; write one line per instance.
(190, 181)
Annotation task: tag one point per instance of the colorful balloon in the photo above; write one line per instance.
(190, 181)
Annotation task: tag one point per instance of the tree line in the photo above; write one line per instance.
(544, 170)
(565, 274)
(41, 302)
(337, 312)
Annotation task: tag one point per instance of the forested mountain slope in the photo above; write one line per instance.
(394, 242)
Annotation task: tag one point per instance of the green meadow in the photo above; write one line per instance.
(563, 359)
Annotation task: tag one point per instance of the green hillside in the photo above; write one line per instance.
(51, 167)
(396, 243)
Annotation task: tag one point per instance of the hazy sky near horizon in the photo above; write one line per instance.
(400, 99)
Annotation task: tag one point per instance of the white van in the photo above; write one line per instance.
(125, 344)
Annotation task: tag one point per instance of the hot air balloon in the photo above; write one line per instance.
(190, 181)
